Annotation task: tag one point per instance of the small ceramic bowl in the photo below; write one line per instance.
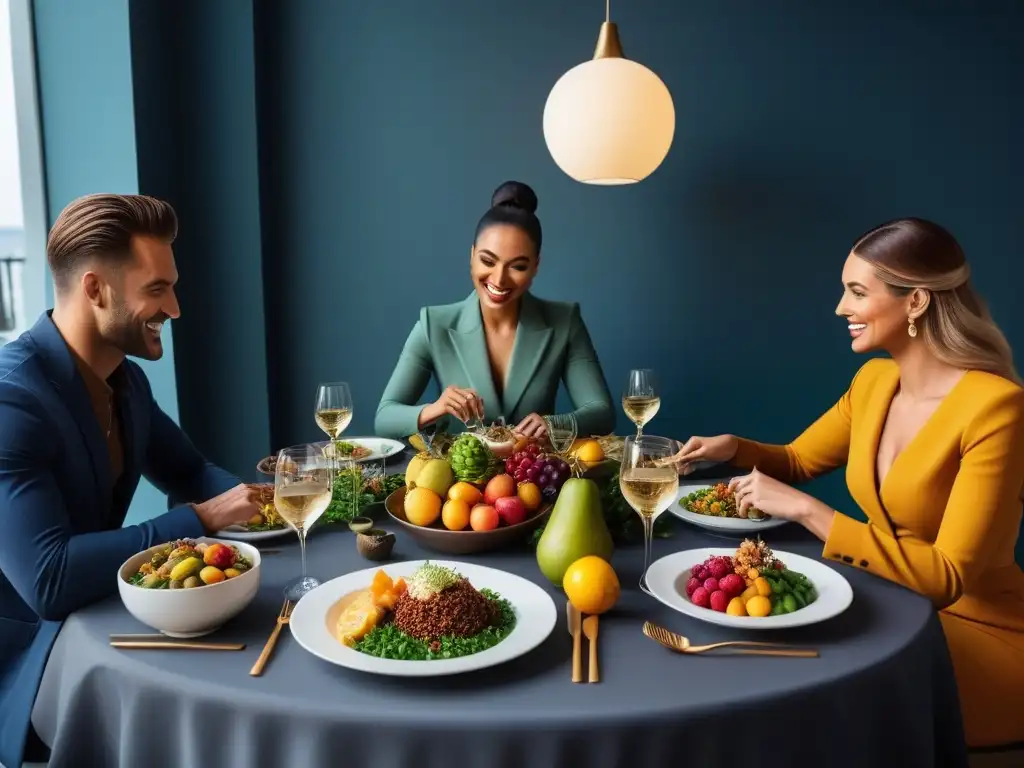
(375, 544)
(360, 524)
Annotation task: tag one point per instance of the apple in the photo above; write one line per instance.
(498, 487)
(510, 509)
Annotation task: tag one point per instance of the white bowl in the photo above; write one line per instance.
(189, 612)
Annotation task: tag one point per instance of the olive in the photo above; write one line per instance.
(191, 582)
(176, 584)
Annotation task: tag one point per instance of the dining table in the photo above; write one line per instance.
(880, 692)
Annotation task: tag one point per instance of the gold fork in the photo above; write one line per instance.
(682, 644)
(283, 618)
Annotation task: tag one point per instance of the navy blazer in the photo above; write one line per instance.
(61, 539)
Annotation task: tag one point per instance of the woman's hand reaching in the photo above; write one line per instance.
(777, 499)
(462, 403)
(532, 426)
(718, 448)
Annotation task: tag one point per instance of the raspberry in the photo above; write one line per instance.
(691, 585)
(701, 597)
(711, 584)
(718, 569)
(731, 584)
(719, 601)
(700, 572)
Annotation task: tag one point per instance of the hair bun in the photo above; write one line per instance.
(515, 194)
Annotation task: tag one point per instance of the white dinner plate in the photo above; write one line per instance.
(667, 577)
(240, 534)
(534, 609)
(713, 523)
(382, 447)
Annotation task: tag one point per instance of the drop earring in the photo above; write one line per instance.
(911, 329)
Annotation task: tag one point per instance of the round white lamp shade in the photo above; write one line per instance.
(609, 121)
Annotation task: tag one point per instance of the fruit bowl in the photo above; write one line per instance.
(465, 542)
(189, 612)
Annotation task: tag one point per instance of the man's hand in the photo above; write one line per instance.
(237, 505)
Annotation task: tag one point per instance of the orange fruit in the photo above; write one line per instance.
(736, 607)
(763, 587)
(759, 606)
(589, 452)
(591, 585)
(483, 517)
(422, 506)
(466, 492)
(455, 514)
(529, 494)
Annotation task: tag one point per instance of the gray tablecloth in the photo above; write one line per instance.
(882, 692)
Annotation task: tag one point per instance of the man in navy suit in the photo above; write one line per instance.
(78, 427)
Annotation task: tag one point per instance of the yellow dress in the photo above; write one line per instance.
(944, 522)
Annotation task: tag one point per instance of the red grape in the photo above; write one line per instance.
(520, 475)
(533, 473)
(526, 463)
(511, 466)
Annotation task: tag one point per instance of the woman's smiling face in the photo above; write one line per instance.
(503, 263)
(876, 315)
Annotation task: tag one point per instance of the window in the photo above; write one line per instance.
(22, 206)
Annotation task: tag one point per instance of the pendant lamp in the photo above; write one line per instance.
(609, 120)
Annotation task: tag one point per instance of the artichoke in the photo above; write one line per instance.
(472, 461)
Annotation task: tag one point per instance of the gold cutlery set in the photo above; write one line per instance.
(580, 628)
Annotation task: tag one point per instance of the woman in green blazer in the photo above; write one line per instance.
(502, 351)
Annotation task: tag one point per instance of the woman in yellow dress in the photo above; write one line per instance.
(933, 443)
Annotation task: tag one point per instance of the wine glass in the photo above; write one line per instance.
(640, 398)
(561, 432)
(333, 411)
(302, 492)
(649, 484)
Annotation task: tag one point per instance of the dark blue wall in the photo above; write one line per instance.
(314, 232)
(387, 126)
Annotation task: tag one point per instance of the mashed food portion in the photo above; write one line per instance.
(457, 609)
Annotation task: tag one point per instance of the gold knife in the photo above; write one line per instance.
(177, 645)
(590, 630)
(575, 629)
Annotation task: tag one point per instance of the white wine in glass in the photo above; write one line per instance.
(640, 399)
(647, 486)
(333, 411)
(302, 493)
(561, 431)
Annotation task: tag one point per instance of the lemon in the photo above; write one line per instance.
(591, 585)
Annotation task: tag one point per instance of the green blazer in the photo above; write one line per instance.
(552, 345)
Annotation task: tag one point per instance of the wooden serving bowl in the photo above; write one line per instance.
(466, 542)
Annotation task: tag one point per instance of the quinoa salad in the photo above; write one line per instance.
(437, 614)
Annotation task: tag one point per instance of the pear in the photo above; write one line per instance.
(436, 474)
(575, 529)
(413, 470)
